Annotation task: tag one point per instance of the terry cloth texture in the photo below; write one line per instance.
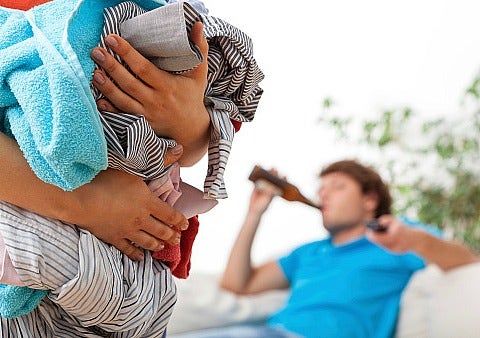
(45, 101)
(18, 300)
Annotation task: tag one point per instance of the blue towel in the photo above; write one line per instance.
(16, 300)
(46, 103)
(45, 98)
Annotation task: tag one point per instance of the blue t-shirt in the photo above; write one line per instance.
(352, 290)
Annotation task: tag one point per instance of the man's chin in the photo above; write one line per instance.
(334, 229)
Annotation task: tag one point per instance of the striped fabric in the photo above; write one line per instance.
(96, 291)
(232, 93)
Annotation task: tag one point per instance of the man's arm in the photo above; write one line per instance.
(240, 276)
(401, 238)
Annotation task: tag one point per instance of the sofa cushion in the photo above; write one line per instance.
(203, 304)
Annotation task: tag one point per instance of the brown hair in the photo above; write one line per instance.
(369, 180)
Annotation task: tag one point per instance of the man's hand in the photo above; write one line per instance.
(262, 195)
(397, 237)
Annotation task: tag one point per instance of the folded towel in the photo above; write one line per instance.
(17, 300)
(45, 98)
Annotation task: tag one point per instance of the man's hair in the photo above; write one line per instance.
(369, 180)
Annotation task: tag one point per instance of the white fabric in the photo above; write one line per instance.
(439, 304)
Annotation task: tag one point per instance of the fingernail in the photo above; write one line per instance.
(102, 107)
(160, 246)
(111, 41)
(99, 78)
(184, 226)
(177, 240)
(139, 257)
(98, 55)
(177, 150)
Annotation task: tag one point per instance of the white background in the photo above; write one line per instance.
(368, 55)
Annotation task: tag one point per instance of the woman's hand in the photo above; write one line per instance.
(119, 209)
(172, 104)
(115, 206)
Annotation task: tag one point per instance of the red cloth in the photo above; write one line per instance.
(22, 4)
(236, 124)
(178, 257)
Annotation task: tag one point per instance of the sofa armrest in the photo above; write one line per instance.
(441, 304)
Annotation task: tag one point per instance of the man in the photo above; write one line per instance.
(345, 285)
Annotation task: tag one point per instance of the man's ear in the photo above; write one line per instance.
(371, 201)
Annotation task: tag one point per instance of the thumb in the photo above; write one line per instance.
(173, 155)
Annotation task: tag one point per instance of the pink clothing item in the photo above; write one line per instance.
(8, 275)
(190, 202)
(185, 198)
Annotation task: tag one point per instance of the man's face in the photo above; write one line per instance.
(344, 206)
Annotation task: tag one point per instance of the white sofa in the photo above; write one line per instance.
(434, 305)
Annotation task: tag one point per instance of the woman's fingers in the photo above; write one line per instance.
(146, 241)
(127, 247)
(105, 105)
(168, 215)
(146, 71)
(121, 99)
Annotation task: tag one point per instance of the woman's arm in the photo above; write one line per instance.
(116, 207)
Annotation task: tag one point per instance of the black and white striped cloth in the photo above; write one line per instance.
(232, 87)
(96, 291)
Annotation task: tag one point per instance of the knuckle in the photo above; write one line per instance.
(142, 70)
(137, 222)
(130, 87)
(110, 66)
(150, 244)
(172, 218)
(165, 233)
(128, 250)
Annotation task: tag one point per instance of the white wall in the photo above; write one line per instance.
(366, 55)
